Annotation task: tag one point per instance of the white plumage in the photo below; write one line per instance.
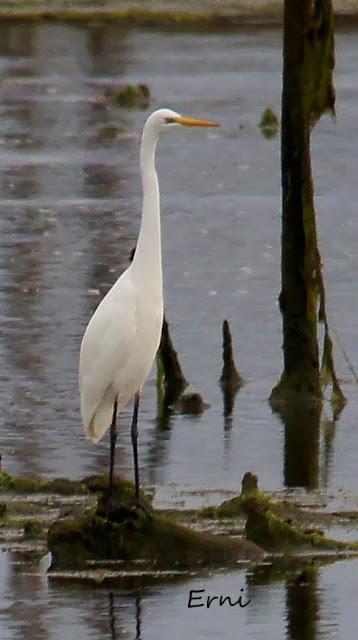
(117, 353)
(123, 335)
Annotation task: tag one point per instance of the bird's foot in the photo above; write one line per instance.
(114, 512)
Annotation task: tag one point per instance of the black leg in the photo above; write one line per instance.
(134, 433)
(112, 618)
(113, 437)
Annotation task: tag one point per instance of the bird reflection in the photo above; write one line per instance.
(113, 621)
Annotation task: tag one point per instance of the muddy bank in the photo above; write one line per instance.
(191, 14)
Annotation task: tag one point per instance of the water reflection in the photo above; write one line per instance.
(293, 599)
(118, 630)
(303, 605)
(301, 446)
(302, 595)
(329, 432)
(112, 618)
(70, 206)
(17, 42)
(23, 600)
(107, 50)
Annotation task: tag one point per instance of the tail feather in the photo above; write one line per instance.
(101, 418)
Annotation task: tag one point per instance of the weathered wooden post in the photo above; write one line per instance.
(308, 61)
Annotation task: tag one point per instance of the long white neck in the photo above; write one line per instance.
(147, 262)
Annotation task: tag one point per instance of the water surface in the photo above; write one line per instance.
(69, 215)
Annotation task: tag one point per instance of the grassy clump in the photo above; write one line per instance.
(122, 531)
(155, 539)
(21, 484)
(269, 123)
(32, 529)
(273, 526)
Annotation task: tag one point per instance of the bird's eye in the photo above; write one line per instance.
(170, 120)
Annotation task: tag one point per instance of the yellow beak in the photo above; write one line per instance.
(193, 122)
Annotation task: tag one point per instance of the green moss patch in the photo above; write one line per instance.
(122, 531)
(22, 484)
(269, 124)
(275, 526)
(155, 539)
(131, 96)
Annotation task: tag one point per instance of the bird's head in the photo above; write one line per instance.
(165, 120)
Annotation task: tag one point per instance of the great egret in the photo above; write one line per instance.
(123, 335)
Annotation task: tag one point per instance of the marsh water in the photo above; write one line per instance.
(70, 205)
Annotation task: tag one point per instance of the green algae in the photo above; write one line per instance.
(130, 96)
(32, 529)
(150, 15)
(186, 16)
(272, 532)
(269, 124)
(276, 525)
(22, 484)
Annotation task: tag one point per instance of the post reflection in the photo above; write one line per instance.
(301, 446)
(301, 600)
(116, 629)
(107, 49)
(303, 605)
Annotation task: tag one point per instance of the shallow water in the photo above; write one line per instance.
(308, 601)
(69, 215)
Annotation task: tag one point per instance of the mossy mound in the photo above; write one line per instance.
(235, 507)
(274, 526)
(122, 531)
(155, 539)
(265, 527)
(123, 489)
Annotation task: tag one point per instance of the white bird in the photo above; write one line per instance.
(123, 335)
